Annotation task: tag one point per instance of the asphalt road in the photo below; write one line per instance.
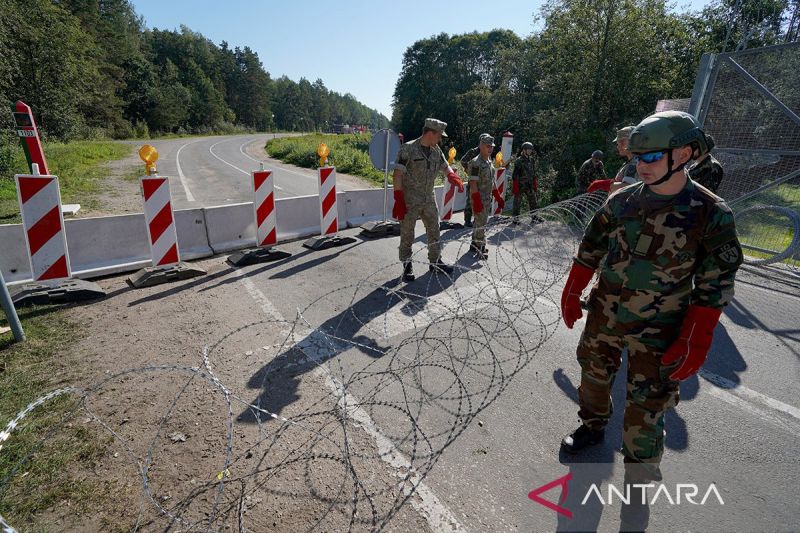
(736, 426)
(209, 171)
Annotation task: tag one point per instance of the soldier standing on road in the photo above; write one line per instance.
(524, 180)
(671, 255)
(626, 175)
(707, 171)
(469, 156)
(481, 173)
(591, 169)
(418, 163)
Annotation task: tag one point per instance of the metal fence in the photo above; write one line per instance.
(749, 102)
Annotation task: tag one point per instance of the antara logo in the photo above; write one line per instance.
(683, 493)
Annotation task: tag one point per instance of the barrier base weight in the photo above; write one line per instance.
(380, 228)
(323, 243)
(52, 292)
(254, 256)
(147, 277)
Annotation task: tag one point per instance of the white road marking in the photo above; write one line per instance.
(751, 401)
(439, 517)
(211, 151)
(181, 177)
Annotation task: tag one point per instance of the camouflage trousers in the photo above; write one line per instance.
(429, 215)
(479, 226)
(468, 210)
(527, 193)
(650, 392)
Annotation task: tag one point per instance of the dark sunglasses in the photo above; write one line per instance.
(649, 157)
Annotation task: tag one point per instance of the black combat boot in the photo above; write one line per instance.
(474, 247)
(484, 252)
(438, 267)
(408, 271)
(581, 438)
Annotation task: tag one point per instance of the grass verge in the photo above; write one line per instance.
(36, 473)
(349, 153)
(78, 165)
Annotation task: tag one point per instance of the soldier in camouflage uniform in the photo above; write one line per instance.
(707, 171)
(418, 163)
(481, 174)
(626, 175)
(591, 169)
(524, 180)
(671, 255)
(469, 156)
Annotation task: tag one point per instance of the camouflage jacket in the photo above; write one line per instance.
(662, 253)
(627, 174)
(420, 166)
(707, 173)
(469, 156)
(588, 173)
(482, 171)
(524, 170)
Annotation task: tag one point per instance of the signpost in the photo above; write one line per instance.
(383, 151)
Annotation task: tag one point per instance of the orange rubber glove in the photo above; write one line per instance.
(515, 187)
(399, 210)
(453, 178)
(477, 204)
(579, 278)
(600, 185)
(693, 344)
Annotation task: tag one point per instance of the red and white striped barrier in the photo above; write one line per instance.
(40, 205)
(264, 206)
(448, 199)
(329, 224)
(500, 185)
(160, 223)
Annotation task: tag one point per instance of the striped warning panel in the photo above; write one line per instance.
(329, 225)
(40, 205)
(264, 205)
(161, 231)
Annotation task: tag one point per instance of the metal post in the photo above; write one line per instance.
(11, 312)
(386, 176)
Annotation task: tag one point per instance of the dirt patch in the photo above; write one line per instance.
(118, 193)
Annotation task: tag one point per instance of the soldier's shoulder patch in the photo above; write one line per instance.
(729, 254)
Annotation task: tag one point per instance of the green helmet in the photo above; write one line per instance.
(527, 145)
(666, 130)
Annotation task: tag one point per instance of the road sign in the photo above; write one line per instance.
(378, 152)
(29, 136)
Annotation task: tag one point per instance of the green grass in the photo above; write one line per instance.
(46, 480)
(768, 229)
(78, 165)
(348, 153)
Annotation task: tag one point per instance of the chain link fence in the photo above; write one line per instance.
(749, 102)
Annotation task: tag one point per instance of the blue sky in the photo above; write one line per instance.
(355, 46)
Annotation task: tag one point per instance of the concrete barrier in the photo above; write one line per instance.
(100, 246)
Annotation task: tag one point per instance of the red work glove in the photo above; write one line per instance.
(500, 202)
(453, 178)
(535, 184)
(579, 278)
(600, 185)
(515, 187)
(695, 339)
(399, 210)
(477, 204)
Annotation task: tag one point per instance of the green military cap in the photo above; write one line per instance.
(436, 125)
(488, 139)
(624, 133)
